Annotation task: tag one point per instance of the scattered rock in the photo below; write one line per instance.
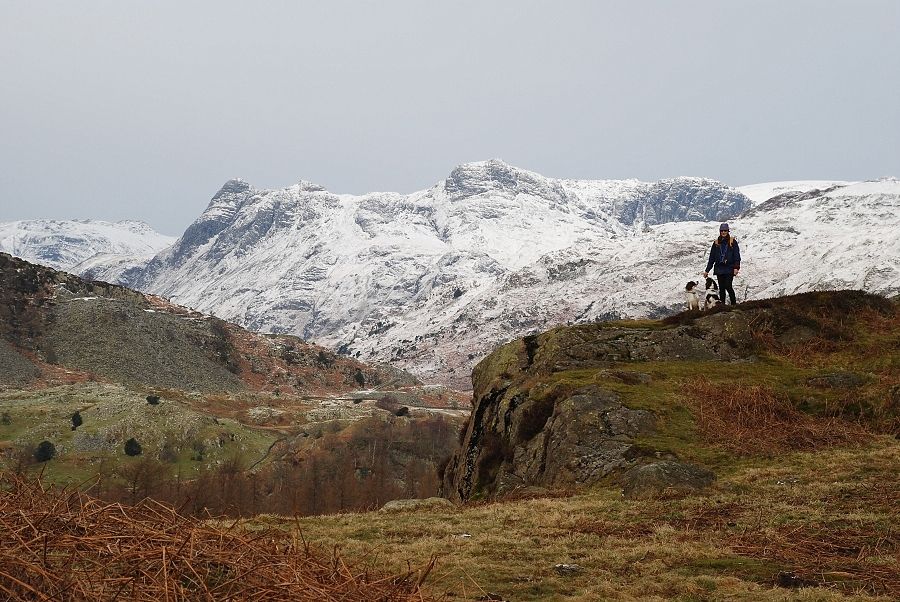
(628, 377)
(263, 414)
(417, 504)
(837, 380)
(568, 569)
(15, 368)
(792, 580)
(652, 479)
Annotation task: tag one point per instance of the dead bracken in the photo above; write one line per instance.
(60, 544)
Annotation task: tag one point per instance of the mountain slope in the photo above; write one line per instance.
(63, 244)
(58, 327)
(433, 280)
(381, 275)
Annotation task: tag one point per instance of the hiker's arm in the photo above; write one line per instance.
(712, 260)
(737, 257)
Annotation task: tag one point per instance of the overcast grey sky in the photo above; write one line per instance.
(117, 110)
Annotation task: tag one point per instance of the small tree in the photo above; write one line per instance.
(76, 420)
(324, 359)
(359, 378)
(44, 451)
(5, 419)
(133, 448)
(153, 400)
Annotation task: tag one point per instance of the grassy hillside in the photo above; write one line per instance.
(812, 525)
(802, 433)
(793, 403)
(56, 328)
(187, 439)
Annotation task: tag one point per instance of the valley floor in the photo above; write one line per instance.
(805, 526)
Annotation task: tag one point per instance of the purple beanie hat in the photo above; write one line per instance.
(723, 227)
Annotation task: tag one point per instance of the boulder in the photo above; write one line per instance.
(652, 479)
(837, 380)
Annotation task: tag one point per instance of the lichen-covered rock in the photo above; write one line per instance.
(652, 479)
(838, 380)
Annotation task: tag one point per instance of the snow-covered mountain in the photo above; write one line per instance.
(393, 276)
(68, 244)
(757, 193)
(435, 279)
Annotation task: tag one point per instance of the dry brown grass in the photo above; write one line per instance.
(757, 420)
(840, 558)
(826, 516)
(64, 545)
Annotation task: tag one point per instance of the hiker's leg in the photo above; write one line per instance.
(725, 281)
(722, 289)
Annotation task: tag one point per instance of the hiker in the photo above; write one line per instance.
(726, 256)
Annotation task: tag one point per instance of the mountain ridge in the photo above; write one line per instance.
(434, 279)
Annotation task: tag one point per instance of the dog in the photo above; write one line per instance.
(712, 294)
(693, 297)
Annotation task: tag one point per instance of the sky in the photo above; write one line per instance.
(142, 110)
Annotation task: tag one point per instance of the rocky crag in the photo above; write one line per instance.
(612, 402)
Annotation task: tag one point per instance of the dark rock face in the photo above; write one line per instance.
(652, 479)
(682, 199)
(540, 439)
(589, 435)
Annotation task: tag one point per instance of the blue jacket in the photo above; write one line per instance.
(725, 255)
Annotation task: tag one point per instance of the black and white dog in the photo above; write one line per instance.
(693, 294)
(712, 294)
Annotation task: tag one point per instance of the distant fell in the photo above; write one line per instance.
(57, 327)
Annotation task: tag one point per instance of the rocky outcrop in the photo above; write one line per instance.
(537, 422)
(524, 433)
